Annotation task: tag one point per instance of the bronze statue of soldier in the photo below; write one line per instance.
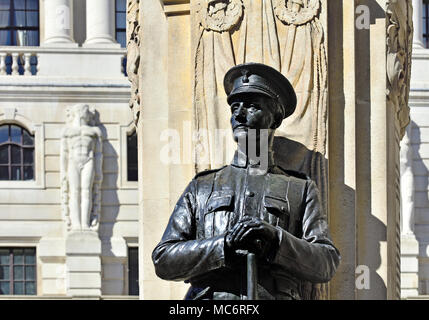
(249, 208)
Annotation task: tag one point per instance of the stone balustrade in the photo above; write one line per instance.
(18, 61)
(63, 61)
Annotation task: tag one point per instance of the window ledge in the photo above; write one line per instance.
(12, 184)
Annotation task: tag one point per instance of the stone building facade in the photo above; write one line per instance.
(54, 55)
(415, 209)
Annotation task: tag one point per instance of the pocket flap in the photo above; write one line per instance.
(219, 200)
(278, 207)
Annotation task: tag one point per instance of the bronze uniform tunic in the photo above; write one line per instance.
(192, 247)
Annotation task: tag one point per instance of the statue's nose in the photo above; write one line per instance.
(241, 112)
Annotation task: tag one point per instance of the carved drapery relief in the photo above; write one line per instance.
(285, 34)
(399, 52)
(133, 55)
(81, 169)
(303, 51)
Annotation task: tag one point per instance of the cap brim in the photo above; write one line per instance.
(246, 89)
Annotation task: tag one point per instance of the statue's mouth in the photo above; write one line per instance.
(240, 126)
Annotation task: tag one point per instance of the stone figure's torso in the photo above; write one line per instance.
(81, 143)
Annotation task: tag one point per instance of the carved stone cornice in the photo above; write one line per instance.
(399, 53)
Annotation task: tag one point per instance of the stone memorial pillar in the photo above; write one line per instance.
(58, 23)
(368, 96)
(100, 23)
(352, 112)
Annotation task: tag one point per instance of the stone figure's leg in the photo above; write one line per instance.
(87, 179)
(74, 184)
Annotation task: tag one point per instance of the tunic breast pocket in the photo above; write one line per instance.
(218, 214)
(277, 210)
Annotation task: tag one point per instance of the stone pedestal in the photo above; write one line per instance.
(409, 266)
(83, 265)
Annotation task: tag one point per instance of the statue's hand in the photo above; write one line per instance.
(254, 235)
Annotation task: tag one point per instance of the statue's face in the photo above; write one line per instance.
(84, 114)
(251, 111)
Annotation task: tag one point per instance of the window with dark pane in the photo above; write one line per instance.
(120, 22)
(16, 153)
(19, 23)
(133, 271)
(121, 28)
(18, 271)
(426, 22)
(132, 157)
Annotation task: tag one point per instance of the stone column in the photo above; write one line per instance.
(100, 23)
(418, 23)
(59, 23)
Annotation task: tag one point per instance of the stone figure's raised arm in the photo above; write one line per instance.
(179, 256)
(312, 258)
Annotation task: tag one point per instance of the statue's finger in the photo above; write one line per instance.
(251, 232)
(242, 230)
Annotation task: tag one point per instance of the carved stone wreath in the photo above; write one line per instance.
(308, 11)
(219, 15)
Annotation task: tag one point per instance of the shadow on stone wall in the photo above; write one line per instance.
(415, 140)
(110, 201)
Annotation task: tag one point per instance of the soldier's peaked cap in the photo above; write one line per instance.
(260, 78)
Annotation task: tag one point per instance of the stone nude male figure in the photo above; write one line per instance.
(250, 206)
(81, 169)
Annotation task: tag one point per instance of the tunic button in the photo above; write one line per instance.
(250, 193)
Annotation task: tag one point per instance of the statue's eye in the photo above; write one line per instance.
(234, 107)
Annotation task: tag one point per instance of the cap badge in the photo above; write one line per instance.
(245, 74)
